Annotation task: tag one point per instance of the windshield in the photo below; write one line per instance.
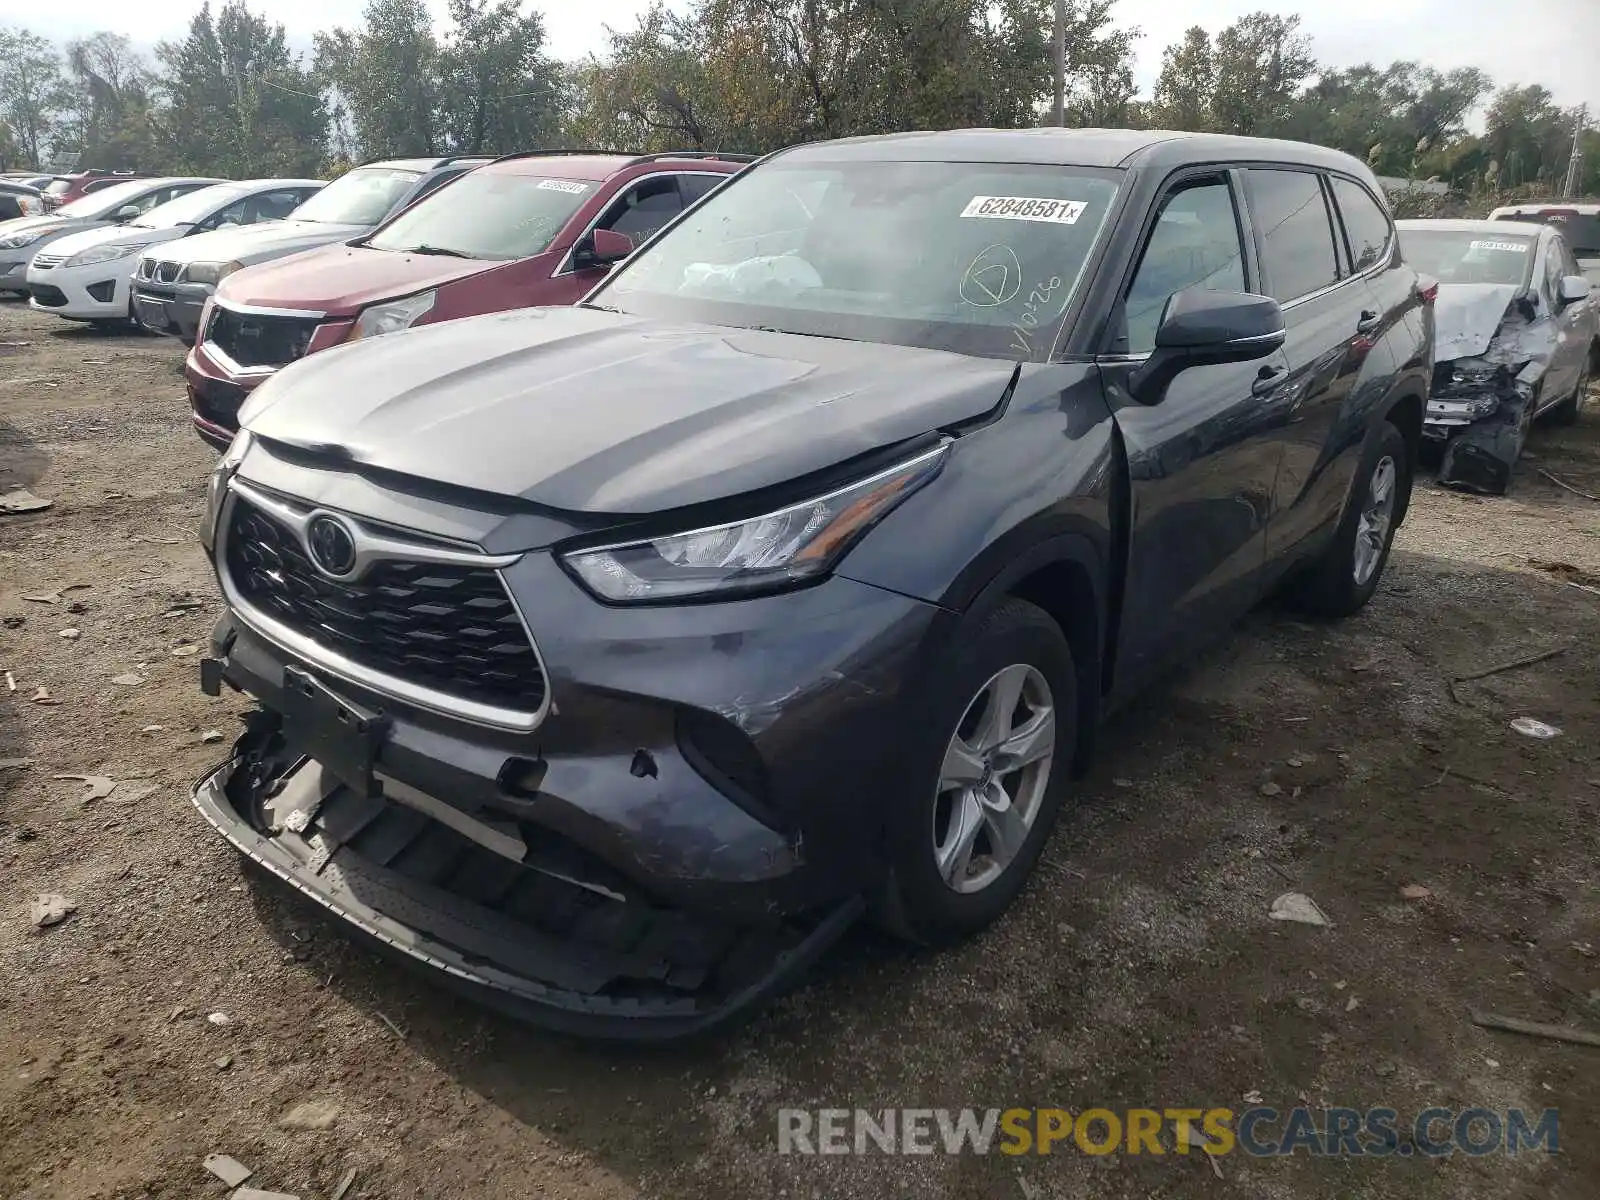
(1469, 257)
(189, 208)
(107, 200)
(1580, 230)
(360, 197)
(978, 258)
(486, 215)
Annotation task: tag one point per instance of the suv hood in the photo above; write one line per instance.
(592, 411)
(339, 279)
(1466, 316)
(258, 243)
(47, 224)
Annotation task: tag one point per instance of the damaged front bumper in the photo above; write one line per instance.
(571, 949)
(1480, 413)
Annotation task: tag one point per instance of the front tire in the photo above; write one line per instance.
(1569, 410)
(989, 768)
(1344, 578)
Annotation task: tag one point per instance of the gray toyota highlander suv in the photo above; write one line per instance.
(611, 660)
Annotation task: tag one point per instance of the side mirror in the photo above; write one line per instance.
(1573, 289)
(126, 213)
(1200, 327)
(601, 248)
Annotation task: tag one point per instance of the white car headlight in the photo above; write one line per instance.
(779, 549)
(392, 317)
(208, 272)
(16, 241)
(100, 254)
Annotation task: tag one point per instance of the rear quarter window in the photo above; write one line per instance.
(1366, 225)
(1296, 234)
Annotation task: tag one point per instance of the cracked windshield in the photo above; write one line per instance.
(976, 258)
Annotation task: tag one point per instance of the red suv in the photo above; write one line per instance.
(64, 189)
(528, 229)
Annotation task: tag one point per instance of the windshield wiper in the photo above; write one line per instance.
(444, 251)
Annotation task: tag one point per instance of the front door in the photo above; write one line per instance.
(1204, 461)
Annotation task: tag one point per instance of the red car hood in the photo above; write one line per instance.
(341, 280)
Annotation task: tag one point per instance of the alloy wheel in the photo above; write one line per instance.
(993, 779)
(1372, 526)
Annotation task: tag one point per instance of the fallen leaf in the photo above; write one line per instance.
(1414, 891)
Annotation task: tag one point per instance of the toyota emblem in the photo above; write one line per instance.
(332, 545)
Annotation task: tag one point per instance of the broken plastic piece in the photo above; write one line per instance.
(230, 1170)
(1298, 907)
(1529, 727)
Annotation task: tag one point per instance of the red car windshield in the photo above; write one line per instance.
(483, 214)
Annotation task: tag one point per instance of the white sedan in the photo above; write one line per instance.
(88, 276)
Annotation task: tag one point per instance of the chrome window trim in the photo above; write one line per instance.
(566, 267)
(338, 665)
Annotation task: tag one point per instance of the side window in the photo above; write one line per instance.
(1195, 244)
(270, 206)
(234, 214)
(436, 182)
(694, 187)
(1365, 223)
(644, 208)
(1297, 237)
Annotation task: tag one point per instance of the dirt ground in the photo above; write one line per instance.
(1140, 968)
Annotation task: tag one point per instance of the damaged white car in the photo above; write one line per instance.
(1517, 337)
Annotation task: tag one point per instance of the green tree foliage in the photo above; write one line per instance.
(33, 94)
(497, 90)
(386, 75)
(238, 103)
(110, 123)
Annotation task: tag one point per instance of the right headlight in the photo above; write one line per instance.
(779, 549)
(208, 272)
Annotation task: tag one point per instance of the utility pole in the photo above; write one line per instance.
(1575, 163)
(1059, 113)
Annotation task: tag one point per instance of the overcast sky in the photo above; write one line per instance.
(1554, 42)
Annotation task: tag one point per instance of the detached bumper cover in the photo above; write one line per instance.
(565, 952)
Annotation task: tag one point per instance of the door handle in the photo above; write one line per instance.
(1267, 380)
(1369, 322)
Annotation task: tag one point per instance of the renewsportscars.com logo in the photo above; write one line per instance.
(1259, 1131)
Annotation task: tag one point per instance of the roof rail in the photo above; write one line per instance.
(720, 154)
(556, 151)
(452, 158)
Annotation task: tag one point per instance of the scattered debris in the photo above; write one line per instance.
(136, 793)
(1492, 1064)
(398, 1032)
(345, 1184)
(249, 1193)
(15, 621)
(15, 764)
(1298, 907)
(1297, 761)
(45, 598)
(42, 696)
(22, 501)
(211, 735)
(71, 634)
(77, 608)
(224, 1062)
(219, 1018)
(185, 651)
(230, 1170)
(1252, 1097)
(11, 682)
(153, 729)
(1029, 1191)
(1558, 1033)
(1562, 483)
(1414, 891)
(1352, 1004)
(1529, 727)
(1583, 948)
(128, 680)
(100, 786)
(1499, 668)
(1270, 789)
(310, 1114)
(1200, 1141)
(50, 908)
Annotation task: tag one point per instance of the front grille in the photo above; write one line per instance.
(144, 270)
(168, 272)
(218, 402)
(257, 341)
(446, 627)
(45, 294)
(48, 262)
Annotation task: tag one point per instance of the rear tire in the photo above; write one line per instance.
(1569, 410)
(989, 767)
(1346, 575)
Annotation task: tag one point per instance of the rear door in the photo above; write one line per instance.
(1333, 321)
(1574, 323)
(1203, 462)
